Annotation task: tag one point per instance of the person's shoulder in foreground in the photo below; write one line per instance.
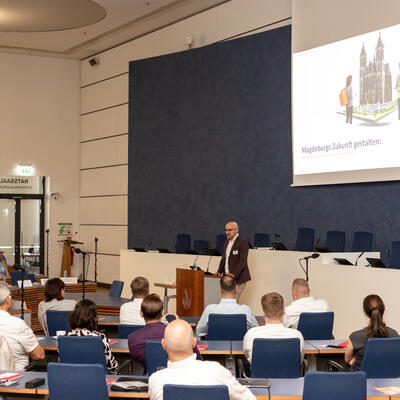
(184, 369)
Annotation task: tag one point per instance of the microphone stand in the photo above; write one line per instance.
(22, 289)
(83, 275)
(307, 270)
(95, 258)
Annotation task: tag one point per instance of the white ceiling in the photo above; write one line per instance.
(125, 20)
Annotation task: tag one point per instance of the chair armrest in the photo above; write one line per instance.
(304, 367)
(32, 365)
(242, 373)
(333, 366)
(123, 365)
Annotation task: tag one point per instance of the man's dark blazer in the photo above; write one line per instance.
(237, 262)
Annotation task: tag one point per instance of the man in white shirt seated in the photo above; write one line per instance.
(303, 302)
(184, 369)
(227, 305)
(20, 338)
(273, 311)
(130, 312)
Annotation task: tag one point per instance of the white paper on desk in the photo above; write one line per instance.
(27, 283)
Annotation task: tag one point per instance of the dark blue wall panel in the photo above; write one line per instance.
(210, 141)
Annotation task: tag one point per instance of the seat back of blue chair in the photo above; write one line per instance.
(334, 386)
(276, 358)
(305, 239)
(183, 242)
(57, 321)
(227, 326)
(382, 358)
(179, 392)
(261, 240)
(156, 356)
(335, 241)
(362, 241)
(81, 350)
(17, 276)
(316, 326)
(116, 289)
(395, 255)
(124, 330)
(221, 239)
(76, 381)
(201, 246)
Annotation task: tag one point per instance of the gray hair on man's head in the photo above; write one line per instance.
(4, 292)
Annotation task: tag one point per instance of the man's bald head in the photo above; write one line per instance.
(178, 340)
(300, 288)
(231, 229)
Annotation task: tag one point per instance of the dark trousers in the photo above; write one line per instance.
(349, 114)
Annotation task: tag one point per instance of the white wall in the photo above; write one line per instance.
(104, 115)
(39, 114)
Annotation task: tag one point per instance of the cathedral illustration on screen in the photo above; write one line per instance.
(375, 77)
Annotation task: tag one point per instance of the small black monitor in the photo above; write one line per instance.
(278, 246)
(163, 250)
(342, 261)
(139, 249)
(213, 252)
(375, 262)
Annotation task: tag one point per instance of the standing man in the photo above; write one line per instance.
(234, 257)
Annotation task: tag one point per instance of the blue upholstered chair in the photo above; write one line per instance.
(57, 321)
(305, 239)
(156, 356)
(124, 330)
(395, 255)
(382, 358)
(261, 240)
(201, 392)
(77, 381)
(17, 276)
(333, 386)
(116, 289)
(183, 242)
(316, 326)
(362, 241)
(201, 246)
(227, 326)
(221, 239)
(335, 241)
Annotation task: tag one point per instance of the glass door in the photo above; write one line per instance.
(7, 231)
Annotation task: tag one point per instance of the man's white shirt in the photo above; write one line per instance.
(20, 338)
(270, 331)
(130, 313)
(225, 306)
(305, 304)
(194, 372)
(228, 252)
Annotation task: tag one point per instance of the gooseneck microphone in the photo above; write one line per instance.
(314, 255)
(79, 251)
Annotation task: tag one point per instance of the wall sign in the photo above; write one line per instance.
(21, 184)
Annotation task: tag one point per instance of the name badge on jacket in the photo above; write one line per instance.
(235, 252)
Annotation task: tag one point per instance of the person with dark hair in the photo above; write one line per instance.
(130, 312)
(152, 312)
(83, 322)
(227, 305)
(374, 309)
(273, 311)
(54, 291)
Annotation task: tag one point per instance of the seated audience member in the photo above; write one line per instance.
(54, 292)
(83, 321)
(373, 308)
(227, 305)
(303, 302)
(3, 265)
(152, 312)
(20, 338)
(273, 311)
(130, 312)
(184, 369)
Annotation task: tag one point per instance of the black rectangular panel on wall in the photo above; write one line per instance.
(210, 141)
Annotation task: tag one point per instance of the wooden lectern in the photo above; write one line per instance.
(66, 258)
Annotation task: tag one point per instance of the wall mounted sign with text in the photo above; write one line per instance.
(21, 184)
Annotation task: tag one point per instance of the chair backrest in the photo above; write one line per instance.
(156, 356)
(382, 358)
(333, 386)
(116, 289)
(183, 242)
(305, 239)
(227, 326)
(261, 240)
(221, 239)
(82, 350)
(276, 358)
(17, 276)
(335, 241)
(57, 321)
(362, 241)
(179, 392)
(395, 255)
(77, 381)
(316, 326)
(200, 246)
(124, 330)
